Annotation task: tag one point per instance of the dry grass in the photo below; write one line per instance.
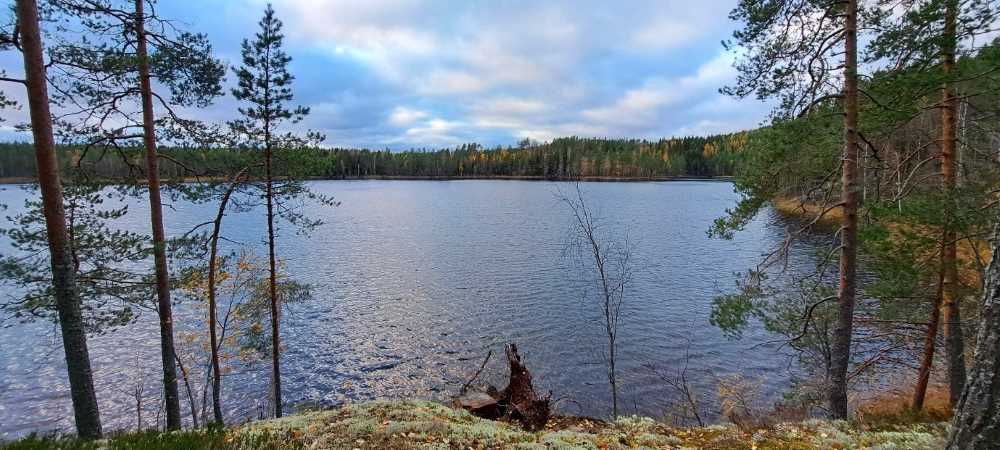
(892, 410)
(972, 252)
(796, 208)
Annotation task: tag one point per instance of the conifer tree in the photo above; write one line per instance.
(108, 76)
(921, 41)
(805, 54)
(64, 289)
(264, 85)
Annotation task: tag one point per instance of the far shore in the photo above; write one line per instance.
(27, 180)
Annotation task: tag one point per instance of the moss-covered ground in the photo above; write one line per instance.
(406, 425)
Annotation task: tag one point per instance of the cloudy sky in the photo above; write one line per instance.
(408, 73)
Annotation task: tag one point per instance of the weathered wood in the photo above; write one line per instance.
(522, 402)
(518, 402)
(480, 404)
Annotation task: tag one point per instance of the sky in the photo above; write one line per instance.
(429, 74)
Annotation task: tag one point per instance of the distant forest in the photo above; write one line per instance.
(569, 157)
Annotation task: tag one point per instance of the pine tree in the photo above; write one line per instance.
(922, 41)
(164, 306)
(123, 51)
(264, 85)
(88, 420)
(805, 54)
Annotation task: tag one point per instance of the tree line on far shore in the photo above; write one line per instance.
(562, 158)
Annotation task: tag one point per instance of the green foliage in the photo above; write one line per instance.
(95, 75)
(912, 35)
(111, 263)
(49, 442)
(104, 258)
(264, 87)
(802, 314)
(789, 51)
(787, 159)
(732, 313)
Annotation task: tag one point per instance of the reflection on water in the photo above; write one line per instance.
(415, 281)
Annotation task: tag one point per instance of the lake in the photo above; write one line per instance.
(415, 281)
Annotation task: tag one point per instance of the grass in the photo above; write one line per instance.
(206, 439)
(405, 425)
(892, 411)
(792, 207)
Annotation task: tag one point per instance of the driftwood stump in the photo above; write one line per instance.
(518, 402)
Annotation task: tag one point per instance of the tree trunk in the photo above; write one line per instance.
(170, 393)
(213, 339)
(613, 380)
(930, 340)
(212, 303)
(273, 285)
(74, 336)
(976, 424)
(841, 351)
(192, 403)
(954, 340)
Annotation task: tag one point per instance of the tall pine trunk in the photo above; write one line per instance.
(170, 393)
(74, 336)
(954, 341)
(273, 282)
(976, 424)
(841, 351)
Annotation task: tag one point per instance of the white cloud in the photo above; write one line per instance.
(450, 82)
(431, 132)
(402, 116)
(510, 106)
(674, 28)
(637, 106)
(430, 73)
(643, 106)
(524, 68)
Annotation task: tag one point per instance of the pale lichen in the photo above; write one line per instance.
(428, 425)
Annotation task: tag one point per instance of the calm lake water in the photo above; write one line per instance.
(415, 281)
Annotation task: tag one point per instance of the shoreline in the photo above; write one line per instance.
(590, 179)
